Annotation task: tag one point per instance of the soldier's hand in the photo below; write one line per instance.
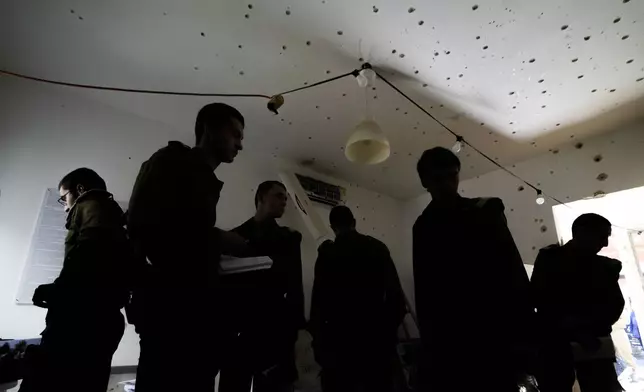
(234, 244)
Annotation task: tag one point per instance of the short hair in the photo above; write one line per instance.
(437, 158)
(85, 177)
(589, 222)
(216, 115)
(264, 188)
(341, 216)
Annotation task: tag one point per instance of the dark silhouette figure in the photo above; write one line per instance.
(356, 308)
(578, 300)
(84, 321)
(172, 217)
(264, 309)
(466, 264)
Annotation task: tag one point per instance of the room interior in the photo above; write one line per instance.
(552, 91)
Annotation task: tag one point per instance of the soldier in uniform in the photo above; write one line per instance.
(467, 264)
(84, 321)
(578, 300)
(171, 221)
(264, 309)
(356, 308)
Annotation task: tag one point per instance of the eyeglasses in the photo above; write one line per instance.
(63, 199)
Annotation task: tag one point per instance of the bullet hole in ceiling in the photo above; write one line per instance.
(593, 90)
(239, 46)
(460, 75)
(541, 81)
(598, 158)
(478, 37)
(402, 55)
(424, 84)
(543, 228)
(485, 47)
(250, 6)
(543, 106)
(420, 23)
(475, 7)
(532, 60)
(514, 107)
(555, 151)
(328, 72)
(639, 79)
(564, 27)
(511, 93)
(580, 76)
(246, 16)
(447, 52)
(196, 68)
(544, 91)
(328, 118)
(448, 78)
(629, 61)
(558, 124)
(283, 47)
(612, 90)
(416, 72)
(436, 53)
(203, 34)
(241, 72)
(520, 188)
(288, 12)
(375, 9)
(411, 9)
(625, 37)
(617, 20)
(360, 59)
(602, 176)
(579, 145)
(575, 60)
(586, 38)
(340, 32)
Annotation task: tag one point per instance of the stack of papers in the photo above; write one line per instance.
(235, 265)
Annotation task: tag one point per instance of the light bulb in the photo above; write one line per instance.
(362, 80)
(457, 147)
(370, 75)
(540, 199)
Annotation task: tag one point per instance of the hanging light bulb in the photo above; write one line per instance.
(370, 75)
(366, 77)
(458, 146)
(367, 144)
(362, 80)
(540, 199)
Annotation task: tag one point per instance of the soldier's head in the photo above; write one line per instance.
(590, 232)
(341, 220)
(438, 169)
(270, 200)
(74, 184)
(219, 130)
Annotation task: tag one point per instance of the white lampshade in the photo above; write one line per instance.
(367, 144)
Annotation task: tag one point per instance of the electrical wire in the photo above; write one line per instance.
(128, 90)
(354, 73)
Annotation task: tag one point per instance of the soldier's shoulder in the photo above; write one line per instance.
(613, 266)
(491, 204)
(325, 246)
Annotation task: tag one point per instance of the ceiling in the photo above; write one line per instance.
(515, 78)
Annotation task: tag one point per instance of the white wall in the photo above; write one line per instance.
(568, 174)
(46, 132)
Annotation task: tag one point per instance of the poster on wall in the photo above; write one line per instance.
(47, 249)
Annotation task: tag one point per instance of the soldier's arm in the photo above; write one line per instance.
(394, 296)
(316, 317)
(296, 286)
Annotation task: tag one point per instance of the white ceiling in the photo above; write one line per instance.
(516, 78)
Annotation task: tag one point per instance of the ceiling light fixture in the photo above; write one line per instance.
(540, 199)
(367, 144)
(458, 146)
